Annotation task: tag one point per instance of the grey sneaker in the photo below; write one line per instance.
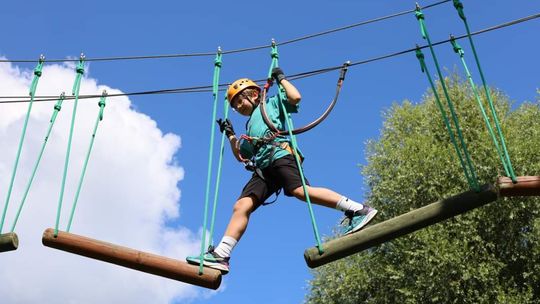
(355, 221)
(211, 260)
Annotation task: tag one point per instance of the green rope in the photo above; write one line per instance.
(57, 108)
(220, 161)
(282, 97)
(99, 118)
(508, 164)
(423, 65)
(76, 87)
(217, 67)
(457, 48)
(37, 74)
(468, 168)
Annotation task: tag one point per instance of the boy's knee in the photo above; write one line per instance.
(244, 205)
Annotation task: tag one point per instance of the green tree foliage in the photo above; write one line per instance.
(489, 255)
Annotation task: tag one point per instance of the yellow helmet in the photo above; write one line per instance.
(238, 86)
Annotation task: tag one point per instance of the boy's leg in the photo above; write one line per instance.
(218, 258)
(286, 171)
(356, 215)
(240, 218)
(255, 191)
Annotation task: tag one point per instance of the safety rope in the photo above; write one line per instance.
(218, 177)
(57, 108)
(506, 157)
(99, 118)
(75, 92)
(282, 98)
(37, 74)
(468, 168)
(457, 48)
(217, 69)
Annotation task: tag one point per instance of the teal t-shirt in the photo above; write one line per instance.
(257, 128)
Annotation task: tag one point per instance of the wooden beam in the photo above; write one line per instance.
(399, 226)
(9, 241)
(526, 186)
(134, 259)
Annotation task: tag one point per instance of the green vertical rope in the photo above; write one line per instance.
(221, 152)
(37, 74)
(469, 169)
(57, 108)
(76, 87)
(99, 118)
(457, 48)
(510, 170)
(294, 144)
(217, 66)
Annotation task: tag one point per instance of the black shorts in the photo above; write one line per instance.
(281, 174)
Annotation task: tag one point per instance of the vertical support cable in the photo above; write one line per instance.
(282, 98)
(57, 108)
(457, 48)
(37, 74)
(469, 169)
(217, 67)
(459, 7)
(99, 118)
(220, 165)
(75, 92)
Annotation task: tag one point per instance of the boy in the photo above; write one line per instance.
(275, 167)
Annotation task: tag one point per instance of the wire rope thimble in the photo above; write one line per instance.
(80, 65)
(420, 17)
(343, 71)
(418, 12)
(274, 53)
(459, 7)
(457, 48)
(101, 104)
(38, 71)
(217, 61)
(39, 68)
(58, 107)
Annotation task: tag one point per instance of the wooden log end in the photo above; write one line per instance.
(525, 186)
(9, 242)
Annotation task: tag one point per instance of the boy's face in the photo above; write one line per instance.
(244, 104)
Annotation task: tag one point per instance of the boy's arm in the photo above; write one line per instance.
(226, 126)
(293, 95)
(235, 147)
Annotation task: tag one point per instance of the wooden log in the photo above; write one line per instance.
(393, 228)
(526, 186)
(134, 259)
(9, 241)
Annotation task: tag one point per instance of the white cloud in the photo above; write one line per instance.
(129, 193)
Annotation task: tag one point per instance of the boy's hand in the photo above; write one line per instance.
(226, 126)
(277, 74)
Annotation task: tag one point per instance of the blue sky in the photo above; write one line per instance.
(267, 266)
